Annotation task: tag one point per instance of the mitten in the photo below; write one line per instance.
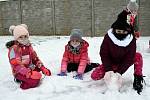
(62, 74)
(78, 76)
(45, 71)
(138, 83)
(137, 34)
(35, 75)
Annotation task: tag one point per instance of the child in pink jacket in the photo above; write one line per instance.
(25, 64)
(75, 57)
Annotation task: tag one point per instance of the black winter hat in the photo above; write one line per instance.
(122, 25)
(123, 15)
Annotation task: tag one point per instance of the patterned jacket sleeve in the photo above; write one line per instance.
(15, 61)
(83, 60)
(35, 59)
(64, 61)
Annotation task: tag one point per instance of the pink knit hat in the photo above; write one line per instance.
(19, 30)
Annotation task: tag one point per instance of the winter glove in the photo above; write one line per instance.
(35, 75)
(138, 83)
(45, 71)
(62, 74)
(137, 34)
(78, 76)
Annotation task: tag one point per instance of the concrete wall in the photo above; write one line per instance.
(58, 17)
(73, 14)
(144, 17)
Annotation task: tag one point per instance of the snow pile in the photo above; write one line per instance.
(50, 51)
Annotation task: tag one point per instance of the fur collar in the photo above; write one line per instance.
(122, 43)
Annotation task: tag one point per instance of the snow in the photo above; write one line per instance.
(50, 50)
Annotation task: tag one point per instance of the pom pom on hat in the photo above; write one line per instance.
(76, 34)
(19, 30)
(133, 6)
(11, 28)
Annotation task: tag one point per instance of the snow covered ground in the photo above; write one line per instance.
(50, 51)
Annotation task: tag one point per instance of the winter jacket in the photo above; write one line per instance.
(117, 55)
(23, 59)
(82, 58)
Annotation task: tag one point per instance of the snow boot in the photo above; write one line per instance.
(137, 84)
(17, 81)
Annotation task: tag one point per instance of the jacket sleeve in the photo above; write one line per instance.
(64, 61)
(16, 63)
(135, 25)
(14, 58)
(35, 59)
(104, 54)
(128, 59)
(83, 60)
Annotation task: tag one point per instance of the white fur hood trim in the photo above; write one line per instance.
(122, 43)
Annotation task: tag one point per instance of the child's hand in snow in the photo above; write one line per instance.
(62, 74)
(78, 76)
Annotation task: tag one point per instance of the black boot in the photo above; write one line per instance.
(17, 81)
(137, 84)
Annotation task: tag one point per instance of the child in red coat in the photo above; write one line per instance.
(75, 57)
(25, 64)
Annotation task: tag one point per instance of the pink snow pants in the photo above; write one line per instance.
(99, 72)
(27, 83)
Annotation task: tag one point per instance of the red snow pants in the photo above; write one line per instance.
(99, 72)
(27, 83)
